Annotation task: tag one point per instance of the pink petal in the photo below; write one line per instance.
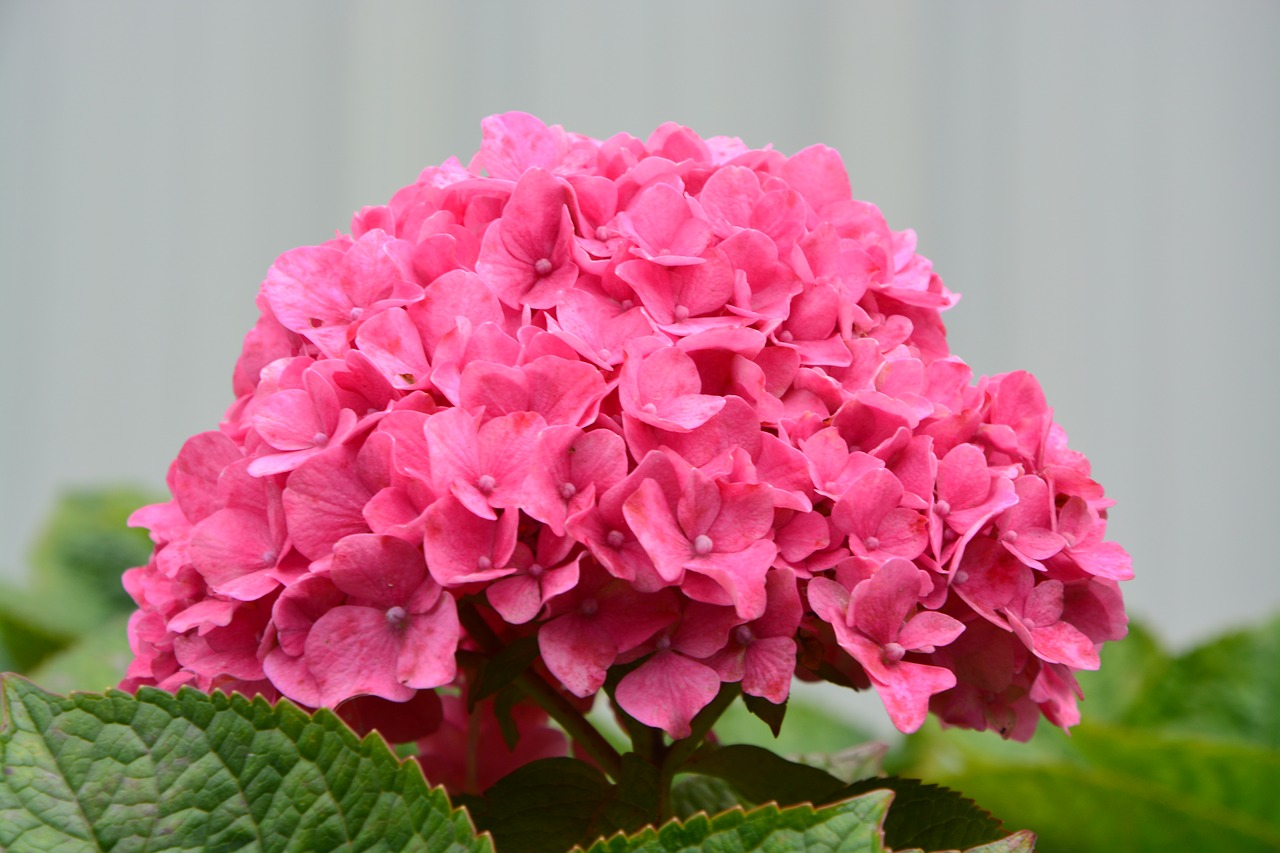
(352, 651)
(667, 691)
(428, 646)
(380, 570)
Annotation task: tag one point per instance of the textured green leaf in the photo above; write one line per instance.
(1229, 688)
(761, 776)
(852, 826)
(549, 805)
(196, 772)
(928, 816)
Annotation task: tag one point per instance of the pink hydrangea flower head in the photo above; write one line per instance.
(671, 404)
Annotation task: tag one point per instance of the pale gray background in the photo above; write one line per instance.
(1098, 179)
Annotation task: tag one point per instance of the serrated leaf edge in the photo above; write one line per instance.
(375, 745)
(653, 831)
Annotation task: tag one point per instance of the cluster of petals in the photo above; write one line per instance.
(675, 408)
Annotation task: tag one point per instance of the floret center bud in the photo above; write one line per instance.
(320, 439)
(941, 508)
(602, 233)
(615, 539)
(395, 615)
(893, 652)
(605, 355)
(785, 336)
(650, 408)
(626, 304)
(702, 545)
(871, 542)
(589, 607)
(542, 266)
(485, 483)
(961, 576)
(356, 312)
(484, 564)
(568, 490)
(1009, 536)
(743, 635)
(681, 313)
(535, 570)
(269, 558)
(663, 643)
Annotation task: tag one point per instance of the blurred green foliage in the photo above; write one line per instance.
(65, 627)
(1174, 753)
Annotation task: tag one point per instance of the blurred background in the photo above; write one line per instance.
(1101, 181)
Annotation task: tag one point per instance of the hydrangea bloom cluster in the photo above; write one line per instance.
(672, 404)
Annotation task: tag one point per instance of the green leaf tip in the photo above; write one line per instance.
(190, 771)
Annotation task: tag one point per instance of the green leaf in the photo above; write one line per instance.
(23, 643)
(196, 772)
(1110, 788)
(1182, 757)
(929, 816)
(551, 804)
(503, 668)
(692, 793)
(77, 562)
(93, 663)
(852, 826)
(1229, 688)
(761, 776)
(771, 714)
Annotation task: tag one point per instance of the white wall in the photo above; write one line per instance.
(1100, 180)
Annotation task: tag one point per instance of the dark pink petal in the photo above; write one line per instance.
(428, 644)
(864, 506)
(193, 477)
(381, 571)
(654, 524)
(235, 551)
(769, 665)
(929, 629)
(881, 604)
(324, 502)
(392, 342)
(517, 598)
(564, 391)
(578, 651)
(1105, 560)
(461, 547)
(667, 691)
(740, 574)
(352, 651)
(905, 689)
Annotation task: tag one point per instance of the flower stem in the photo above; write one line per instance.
(678, 753)
(551, 700)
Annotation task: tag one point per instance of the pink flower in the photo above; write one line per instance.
(873, 624)
(670, 403)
